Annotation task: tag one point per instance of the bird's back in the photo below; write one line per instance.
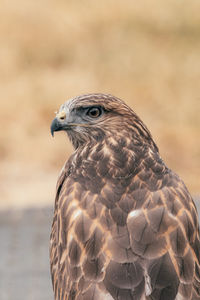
(124, 236)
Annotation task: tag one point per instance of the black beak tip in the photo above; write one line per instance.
(55, 126)
(52, 132)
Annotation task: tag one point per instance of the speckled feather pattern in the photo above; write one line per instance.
(125, 226)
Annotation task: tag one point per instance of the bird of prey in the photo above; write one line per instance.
(125, 226)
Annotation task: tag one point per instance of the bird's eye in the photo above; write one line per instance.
(94, 112)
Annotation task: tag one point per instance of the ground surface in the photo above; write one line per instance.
(24, 264)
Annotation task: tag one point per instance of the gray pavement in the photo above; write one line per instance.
(24, 254)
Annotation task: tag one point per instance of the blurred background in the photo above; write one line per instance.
(147, 53)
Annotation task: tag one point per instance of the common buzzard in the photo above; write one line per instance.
(125, 226)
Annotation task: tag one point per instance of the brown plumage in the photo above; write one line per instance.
(125, 226)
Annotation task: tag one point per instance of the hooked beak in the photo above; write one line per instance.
(55, 126)
(58, 123)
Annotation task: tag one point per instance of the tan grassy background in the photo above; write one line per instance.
(146, 52)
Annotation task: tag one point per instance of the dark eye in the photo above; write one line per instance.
(94, 112)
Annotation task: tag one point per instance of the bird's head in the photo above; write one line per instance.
(94, 116)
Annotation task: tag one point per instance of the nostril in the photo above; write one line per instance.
(61, 115)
